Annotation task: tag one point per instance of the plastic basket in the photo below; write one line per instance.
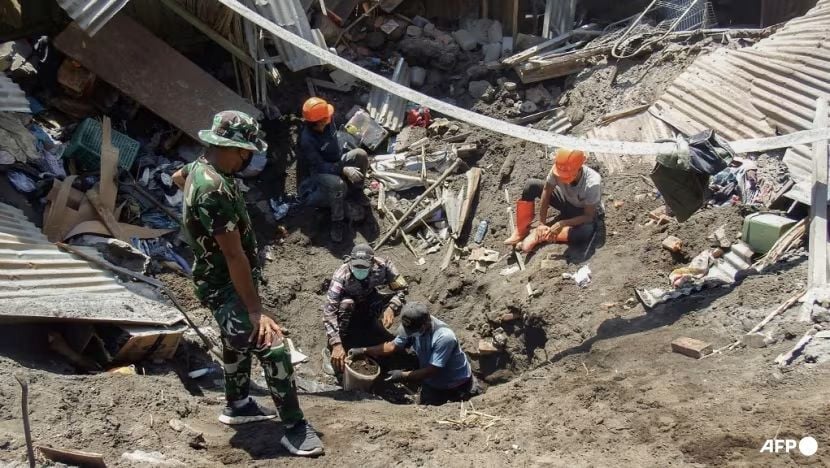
(85, 146)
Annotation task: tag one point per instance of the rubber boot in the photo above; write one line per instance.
(524, 216)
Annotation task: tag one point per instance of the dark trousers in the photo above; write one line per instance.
(578, 234)
(359, 321)
(438, 396)
(330, 189)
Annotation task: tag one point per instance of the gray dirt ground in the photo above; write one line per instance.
(587, 379)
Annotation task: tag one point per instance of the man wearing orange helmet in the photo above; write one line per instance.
(333, 173)
(572, 188)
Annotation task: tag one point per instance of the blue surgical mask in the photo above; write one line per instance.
(360, 273)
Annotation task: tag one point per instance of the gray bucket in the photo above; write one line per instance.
(354, 380)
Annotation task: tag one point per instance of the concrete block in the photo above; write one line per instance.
(495, 32)
(492, 52)
(691, 347)
(417, 76)
(466, 40)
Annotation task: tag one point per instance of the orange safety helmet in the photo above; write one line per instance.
(567, 164)
(316, 110)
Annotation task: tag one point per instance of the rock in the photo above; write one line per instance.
(489, 95)
(486, 347)
(429, 30)
(417, 76)
(439, 127)
(756, 340)
(478, 88)
(375, 40)
(478, 28)
(492, 52)
(477, 72)
(414, 31)
(421, 22)
(538, 95)
(465, 39)
(820, 314)
(177, 425)
(453, 129)
(435, 77)
(528, 107)
(495, 33)
(510, 86)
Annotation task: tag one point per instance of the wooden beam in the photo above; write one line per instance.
(515, 20)
(209, 32)
(817, 275)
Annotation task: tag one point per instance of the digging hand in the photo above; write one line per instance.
(338, 357)
(266, 331)
(388, 317)
(394, 376)
(355, 353)
(353, 174)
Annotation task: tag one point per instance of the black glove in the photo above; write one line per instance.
(394, 376)
(356, 353)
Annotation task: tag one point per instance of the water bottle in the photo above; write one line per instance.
(481, 231)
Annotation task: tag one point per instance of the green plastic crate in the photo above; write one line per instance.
(85, 146)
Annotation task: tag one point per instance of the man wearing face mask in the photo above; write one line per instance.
(335, 174)
(573, 189)
(226, 273)
(443, 370)
(355, 313)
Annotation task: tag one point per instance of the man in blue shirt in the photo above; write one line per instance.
(444, 372)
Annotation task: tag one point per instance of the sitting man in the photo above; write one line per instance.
(572, 188)
(443, 370)
(355, 313)
(333, 173)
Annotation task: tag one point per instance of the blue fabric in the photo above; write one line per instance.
(439, 348)
(321, 151)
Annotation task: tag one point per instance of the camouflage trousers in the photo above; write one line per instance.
(237, 352)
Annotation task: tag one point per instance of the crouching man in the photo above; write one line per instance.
(443, 370)
(356, 313)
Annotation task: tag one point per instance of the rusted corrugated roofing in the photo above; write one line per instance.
(12, 98)
(91, 15)
(38, 281)
(764, 90)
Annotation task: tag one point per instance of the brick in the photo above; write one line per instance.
(691, 347)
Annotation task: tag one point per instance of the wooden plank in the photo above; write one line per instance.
(73, 457)
(109, 167)
(473, 180)
(691, 347)
(105, 215)
(817, 269)
(142, 66)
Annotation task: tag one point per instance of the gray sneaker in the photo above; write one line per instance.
(301, 440)
(251, 412)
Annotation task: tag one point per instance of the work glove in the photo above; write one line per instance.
(394, 375)
(355, 353)
(353, 174)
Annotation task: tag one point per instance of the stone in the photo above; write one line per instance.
(439, 127)
(465, 39)
(177, 425)
(486, 347)
(756, 340)
(414, 31)
(538, 95)
(421, 22)
(528, 107)
(375, 40)
(417, 76)
(429, 30)
(492, 52)
(495, 33)
(820, 314)
(489, 95)
(510, 86)
(477, 88)
(477, 72)
(435, 77)
(691, 347)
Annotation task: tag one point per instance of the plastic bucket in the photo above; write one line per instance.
(356, 380)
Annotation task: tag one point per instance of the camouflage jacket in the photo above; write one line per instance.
(214, 205)
(345, 286)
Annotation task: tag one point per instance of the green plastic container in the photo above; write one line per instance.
(85, 146)
(761, 230)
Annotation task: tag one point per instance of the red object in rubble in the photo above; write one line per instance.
(418, 117)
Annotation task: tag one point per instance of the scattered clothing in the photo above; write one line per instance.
(21, 182)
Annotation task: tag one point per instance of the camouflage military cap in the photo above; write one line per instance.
(234, 128)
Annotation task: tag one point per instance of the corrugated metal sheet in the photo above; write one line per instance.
(387, 109)
(641, 126)
(40, 281)
(290, 15)
(759, 91)
(92, 15)
(12, 98)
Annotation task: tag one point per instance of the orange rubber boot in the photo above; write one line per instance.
(533, 240)
(524, 216)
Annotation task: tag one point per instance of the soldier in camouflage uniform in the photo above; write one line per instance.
(226, 272)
